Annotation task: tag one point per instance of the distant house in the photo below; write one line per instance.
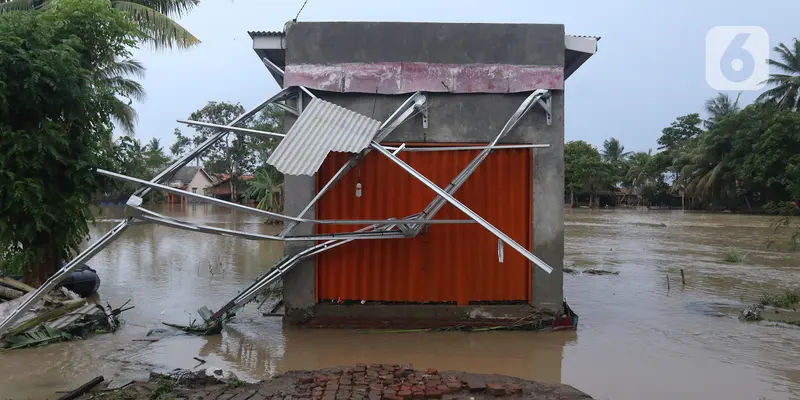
(221, 188)
(192, 179)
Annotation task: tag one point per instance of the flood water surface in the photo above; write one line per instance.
(637, 338)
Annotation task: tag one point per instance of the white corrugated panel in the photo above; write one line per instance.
(322, 127)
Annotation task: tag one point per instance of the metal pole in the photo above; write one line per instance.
(227, 128)
(200, 197)
(456, 183)
(280, 72)
(400, 115)
(464, 148)
(452, 200)
(54, 280)
(169, 171)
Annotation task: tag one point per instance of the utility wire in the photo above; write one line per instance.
(301, 10)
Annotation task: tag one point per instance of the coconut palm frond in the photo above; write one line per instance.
(160, 30)
(126, 67)
(172, 8)
(124, 115)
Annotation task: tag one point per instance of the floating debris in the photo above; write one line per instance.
(600, 272)
(751, 313)
(61, 315)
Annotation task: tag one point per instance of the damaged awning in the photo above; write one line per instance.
(321, 128)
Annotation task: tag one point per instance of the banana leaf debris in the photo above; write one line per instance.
(61, 315)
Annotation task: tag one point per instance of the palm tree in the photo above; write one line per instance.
(155, 18)
(113, 77)
(718, 107)
(614, 151)
(261, 188)
(786, 92)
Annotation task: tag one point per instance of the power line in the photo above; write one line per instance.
(301, 10)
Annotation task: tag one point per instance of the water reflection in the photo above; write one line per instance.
(637, 338)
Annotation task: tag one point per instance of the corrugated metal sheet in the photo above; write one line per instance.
(321, 128)
(74, 316)
(254, 34)
(452, 263)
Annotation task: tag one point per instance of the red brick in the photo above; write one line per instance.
(514, 389)
(344, 381)
(322, 378)
(454, 386)
(306, 379)
(476, 386)
(392, 397)
(329, 396)
(399, 373)
(418, 395)
(389, 392)
(376, 386)
(433, 394)
(431, 371)
(406, 394)
(497, 389)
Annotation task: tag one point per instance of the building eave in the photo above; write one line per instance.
(272, 46)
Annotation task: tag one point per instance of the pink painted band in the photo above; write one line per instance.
(409, 77)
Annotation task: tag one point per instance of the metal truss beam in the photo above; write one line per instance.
(408, 109)
(459, 180)
(452, 200)
(114, 233)
(403, 148)
(54, 280)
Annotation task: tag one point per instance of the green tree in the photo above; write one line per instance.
(55, 127)
(786, 92)
(125, 90)
(615, 155)
(233, 154)
(718, 107)
(155, 18)
(584, 170)
(261, 188)
(155, 158)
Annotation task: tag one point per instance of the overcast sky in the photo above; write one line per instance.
(649, 69)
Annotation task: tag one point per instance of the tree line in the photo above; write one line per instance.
(235, 155)
(737, 158)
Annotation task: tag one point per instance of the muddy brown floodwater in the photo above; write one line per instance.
(636, 339)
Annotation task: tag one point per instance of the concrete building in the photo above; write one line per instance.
(475, 76)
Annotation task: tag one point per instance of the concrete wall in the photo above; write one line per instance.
(452, 117)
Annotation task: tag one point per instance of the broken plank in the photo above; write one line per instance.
(68, 306)
(82, 389)
(15, 284)
(10, 294)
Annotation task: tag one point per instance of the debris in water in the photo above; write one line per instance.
(61, 315)
(82, 389)
(600, 272)
(751, 313)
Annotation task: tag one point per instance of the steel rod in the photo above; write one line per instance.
(257, 236)
(280, 72)
(400, 115)
(200, 197)
(169, 171)
(227, 128)
(54, 280)
(452, 200)
(437, 203)
(464, 148)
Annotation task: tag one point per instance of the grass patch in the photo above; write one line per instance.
(122, 394)
(732, 255)
(236, 383)
(163, 390)
(785, 300)
(571, 271)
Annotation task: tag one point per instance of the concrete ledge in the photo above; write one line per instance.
(422, 311)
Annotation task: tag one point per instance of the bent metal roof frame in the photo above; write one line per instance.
(406, 227)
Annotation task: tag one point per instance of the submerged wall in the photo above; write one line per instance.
(467, 117)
